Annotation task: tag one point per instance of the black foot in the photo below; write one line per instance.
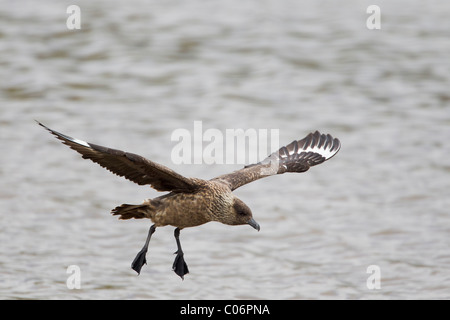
(179, 265)
(139, 261)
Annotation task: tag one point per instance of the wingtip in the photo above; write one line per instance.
(335, 146)
(42, 125)
(324, 144)
(64, 137)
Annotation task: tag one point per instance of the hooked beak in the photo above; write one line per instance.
(253, 223)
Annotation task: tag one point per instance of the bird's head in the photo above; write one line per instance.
(241, 214)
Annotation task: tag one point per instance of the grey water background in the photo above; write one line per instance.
(138, 70)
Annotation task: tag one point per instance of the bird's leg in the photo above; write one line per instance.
(139, 261)
(179, 266)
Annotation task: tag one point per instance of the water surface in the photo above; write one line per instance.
(138, 70)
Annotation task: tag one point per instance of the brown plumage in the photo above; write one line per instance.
(191, 201)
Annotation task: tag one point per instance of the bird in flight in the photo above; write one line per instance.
(192, 202)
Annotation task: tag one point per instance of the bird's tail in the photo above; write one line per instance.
(128, 211)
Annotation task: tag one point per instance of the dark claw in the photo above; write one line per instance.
(179, 265)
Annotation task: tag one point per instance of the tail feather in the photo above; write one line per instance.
(128, 211)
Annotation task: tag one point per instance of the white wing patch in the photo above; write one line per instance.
(322, 144)
(75, 140)
(326, 151)
(83, 143)
(299, 155)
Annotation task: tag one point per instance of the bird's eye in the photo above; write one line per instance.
(242, 213)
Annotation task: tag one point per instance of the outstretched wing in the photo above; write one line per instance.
(298, 156)
(130, 166)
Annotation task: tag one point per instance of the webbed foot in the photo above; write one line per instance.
(179, 265)
(139, 261)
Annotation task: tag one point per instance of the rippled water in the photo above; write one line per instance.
(138, 70)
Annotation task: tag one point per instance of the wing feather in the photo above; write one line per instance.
(298, 156)
(129, 165)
